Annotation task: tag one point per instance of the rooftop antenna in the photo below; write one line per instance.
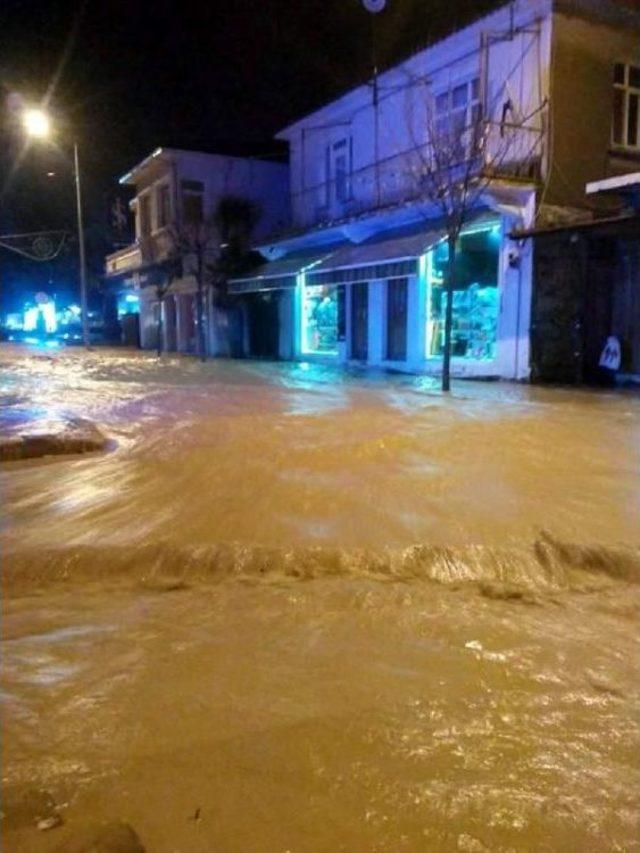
(374, 7)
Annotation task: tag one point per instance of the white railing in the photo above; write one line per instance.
(156, 247)
(127, 258)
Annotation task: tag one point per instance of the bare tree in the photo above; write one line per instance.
(161, 291)
(463, 155)
(193, 245)
(212, 249)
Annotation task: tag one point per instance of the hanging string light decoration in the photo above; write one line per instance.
(36, 245)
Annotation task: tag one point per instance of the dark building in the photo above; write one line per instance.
(587, 289)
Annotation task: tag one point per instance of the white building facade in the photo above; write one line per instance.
(361, 276)
(174, 187)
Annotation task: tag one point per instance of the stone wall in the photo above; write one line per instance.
(586, 287)
(556, 309)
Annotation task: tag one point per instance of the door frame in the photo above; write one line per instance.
(359, 321)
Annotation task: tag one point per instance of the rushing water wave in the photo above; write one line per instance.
(547, 565)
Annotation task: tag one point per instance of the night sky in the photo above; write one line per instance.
(125, 76)
(211, 75)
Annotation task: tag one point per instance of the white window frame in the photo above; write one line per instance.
(165, 186)
(628, 90)
(473, 107)
(188, 189)
(144, 198)
(338, 149)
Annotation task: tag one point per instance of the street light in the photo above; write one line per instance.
(37, 124)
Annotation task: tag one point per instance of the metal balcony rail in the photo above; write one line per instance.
(500, 150)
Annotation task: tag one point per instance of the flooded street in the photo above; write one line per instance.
(296, 609)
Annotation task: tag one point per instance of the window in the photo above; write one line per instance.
(320, 319)
(625, 128)
(397, 319)
(338, 168)
(144, 214)
(163, 201)
(192, 201)
(342, 178)
(475, 296)
(457, 111)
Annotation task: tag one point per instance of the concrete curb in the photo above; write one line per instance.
(78, 436)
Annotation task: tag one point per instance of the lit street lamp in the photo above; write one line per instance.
(37, 124)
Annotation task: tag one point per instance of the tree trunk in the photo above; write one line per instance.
(160, 295)
(202, 351)
(448, 320)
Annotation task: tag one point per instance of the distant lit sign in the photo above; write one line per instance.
(41, 316)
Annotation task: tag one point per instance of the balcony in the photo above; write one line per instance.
(508, 152)
(155, 248)
(125, 259)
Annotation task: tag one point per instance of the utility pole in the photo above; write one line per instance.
(81, 251)
(374, 7)
(37, 124)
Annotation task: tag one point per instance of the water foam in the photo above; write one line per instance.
(546, 564)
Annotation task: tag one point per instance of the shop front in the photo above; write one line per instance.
(474, 331)
(322, 319)
(382, 302)
(276, 322)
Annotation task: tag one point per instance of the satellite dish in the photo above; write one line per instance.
(374, 6)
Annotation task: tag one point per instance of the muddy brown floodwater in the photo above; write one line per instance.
(295, 609)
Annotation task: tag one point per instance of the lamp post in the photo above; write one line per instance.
(37, 124)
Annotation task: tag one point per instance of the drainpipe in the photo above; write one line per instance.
(518, 310)
(484, 72)
(303, 158)
(376, 115)
(376, 134)
(176, 196)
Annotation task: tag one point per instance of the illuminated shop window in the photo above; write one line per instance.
(475, 297)
(128, 303)
(320, 319)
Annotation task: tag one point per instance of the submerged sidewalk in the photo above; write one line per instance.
(29, 432)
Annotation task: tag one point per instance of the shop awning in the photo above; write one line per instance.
(385, 256)
(393, 257)
(277, 275)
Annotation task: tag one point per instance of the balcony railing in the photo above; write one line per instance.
(508, 152)
(127, 258)
(147, 250)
